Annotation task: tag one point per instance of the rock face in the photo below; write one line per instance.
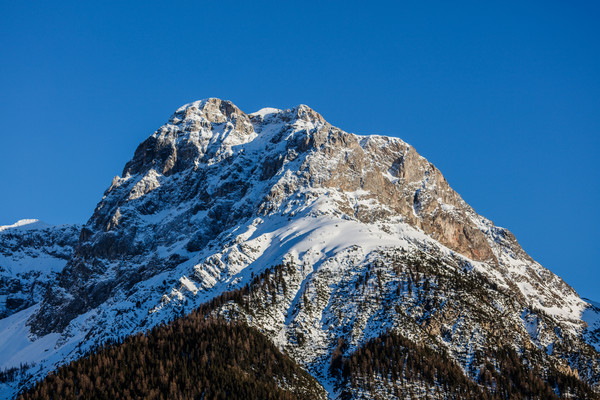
(31, 255)
(217, 195)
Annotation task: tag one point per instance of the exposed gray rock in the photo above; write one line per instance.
(31, 255)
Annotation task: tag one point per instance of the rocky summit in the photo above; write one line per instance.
(364, 240)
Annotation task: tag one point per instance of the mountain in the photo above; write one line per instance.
(31, 255)
(376, 248)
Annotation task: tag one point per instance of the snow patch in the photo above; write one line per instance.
(263, 112)
(25, 225)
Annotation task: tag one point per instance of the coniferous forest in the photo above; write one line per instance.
(190, 358)
(392, 364)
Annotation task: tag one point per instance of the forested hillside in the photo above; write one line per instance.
(190, 358)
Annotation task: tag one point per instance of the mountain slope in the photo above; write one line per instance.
(191, 358)
(205, 353)
(376, 238)
(31, 254)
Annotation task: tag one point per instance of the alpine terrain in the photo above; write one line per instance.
(364, 272)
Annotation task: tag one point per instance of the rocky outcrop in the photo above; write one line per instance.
(31, 255)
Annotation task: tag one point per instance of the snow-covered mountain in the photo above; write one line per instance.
(31, 254)
(376, 239)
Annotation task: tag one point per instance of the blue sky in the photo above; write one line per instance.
(503, 97)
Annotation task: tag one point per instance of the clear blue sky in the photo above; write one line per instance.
(503, 97)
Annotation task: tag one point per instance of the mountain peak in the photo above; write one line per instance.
(195, 133)
(263, 112)
(300, 112)
(305, 112)
(209, 130)
(212, 109)
(315, 154)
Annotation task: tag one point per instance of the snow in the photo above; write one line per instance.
(263, 112)
(15, 344)
(24, 225)
(550, 294)
(148, 183)
(21, 263)
(591, 314)
(591, 317)
(189, 285)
